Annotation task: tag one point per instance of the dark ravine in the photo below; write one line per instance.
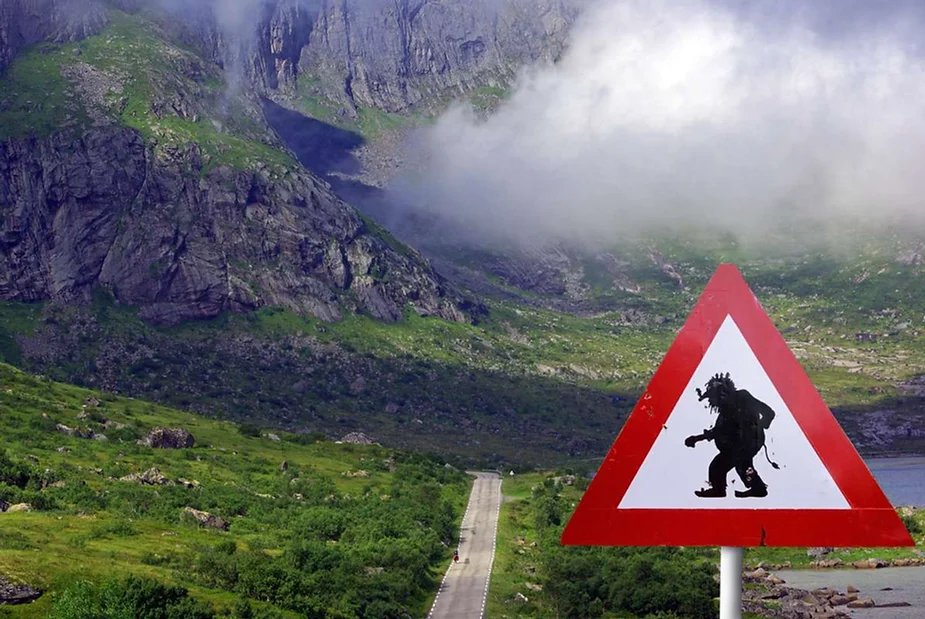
(161, 232)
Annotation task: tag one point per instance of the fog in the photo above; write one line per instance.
(679, 112)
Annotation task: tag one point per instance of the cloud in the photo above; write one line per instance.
(675, 112)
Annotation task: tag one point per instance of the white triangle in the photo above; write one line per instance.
(672, 472)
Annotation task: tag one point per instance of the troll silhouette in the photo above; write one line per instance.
(739, 434)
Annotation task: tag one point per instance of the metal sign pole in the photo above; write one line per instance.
(730, 582)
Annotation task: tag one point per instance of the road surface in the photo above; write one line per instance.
(465, 586)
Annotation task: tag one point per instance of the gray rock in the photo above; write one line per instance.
(358, 438)
(168, 438)
(102, 210)
(25, 22)
(205, 519)
(151, 477)
(16, 593)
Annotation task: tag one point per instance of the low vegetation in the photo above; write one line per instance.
(273, 525)
(534, 576)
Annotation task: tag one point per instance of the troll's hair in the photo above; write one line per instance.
(717, 385)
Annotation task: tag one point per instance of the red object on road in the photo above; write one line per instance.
(645, 492)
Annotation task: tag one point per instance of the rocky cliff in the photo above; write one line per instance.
(161, 232)
(391, 56)
(24, 22)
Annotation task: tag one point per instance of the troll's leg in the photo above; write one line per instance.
(719, 468)
(752, 480)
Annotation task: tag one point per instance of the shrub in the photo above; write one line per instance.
(912, 525)
(131, 598)
(13, 473)
(249, 429)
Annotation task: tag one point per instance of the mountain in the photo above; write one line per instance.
(159, 239)
(125, 164)
(396, 56)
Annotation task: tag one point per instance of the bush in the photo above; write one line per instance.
(13, 473)
(249, 429)
(132, 598)
(912, 525)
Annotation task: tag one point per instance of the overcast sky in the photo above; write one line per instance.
(729, 112)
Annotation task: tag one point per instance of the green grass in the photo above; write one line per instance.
(83, 532)
(368, 122)
(515, 561)
(35, 97)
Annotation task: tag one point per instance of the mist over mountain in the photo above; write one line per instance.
(674, 114)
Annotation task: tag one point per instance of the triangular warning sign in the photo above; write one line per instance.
(731, 445)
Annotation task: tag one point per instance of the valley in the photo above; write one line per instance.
(208, 223)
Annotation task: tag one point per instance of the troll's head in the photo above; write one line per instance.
(717, 389)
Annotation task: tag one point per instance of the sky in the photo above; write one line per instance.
(670, 113)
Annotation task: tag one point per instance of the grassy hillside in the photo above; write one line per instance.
(314, 528)
(526, 385)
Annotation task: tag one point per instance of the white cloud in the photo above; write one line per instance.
(682, 111)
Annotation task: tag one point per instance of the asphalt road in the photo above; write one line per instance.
(465, 587)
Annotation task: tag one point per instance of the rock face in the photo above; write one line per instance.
(24, 22)
(168, 438)
(392, 55)
(163, 233)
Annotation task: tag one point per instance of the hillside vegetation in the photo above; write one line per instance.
(295, 526)
(535, 576)
(524, 384)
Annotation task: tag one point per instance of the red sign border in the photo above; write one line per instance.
(871, 520)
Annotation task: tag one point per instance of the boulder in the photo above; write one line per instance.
(151, 477)
(861, 603)
(819, 551)
(168, 438)
(869, 564)
(205, 519)
(358, 438)
(15, 593)
(20, 507)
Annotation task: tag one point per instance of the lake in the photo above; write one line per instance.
(902, 479)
